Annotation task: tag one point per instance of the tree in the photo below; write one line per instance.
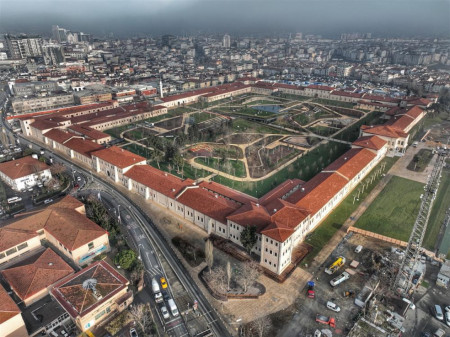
(249, 238)
(142, 316)
(217, 279)
(125, 258)
(209, 254)
(249, 274)
(261, 325)
(57, 169)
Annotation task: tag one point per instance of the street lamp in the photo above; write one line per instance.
(118, 213)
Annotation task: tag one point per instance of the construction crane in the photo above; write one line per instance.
(403, 281)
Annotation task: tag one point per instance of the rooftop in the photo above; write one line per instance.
(8, 309)
(82, 292)
(28, 280)
(118, 157)
(22, 167)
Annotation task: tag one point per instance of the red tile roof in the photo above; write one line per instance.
(227, 192)
(22, 167)
(384, 130)
(351, 162)
(207, 203)
(318, 191)
(64, 222)
(78, 300)
(370, 142)
(320, 87)
(59, 136)
(251, 214)
(278, 231)
(347, 94)
(88, 132)
(84, 147)
(119, 157)
(30, 279)
(284, 188)
(8, 308)
(10, 237)
(159, 181)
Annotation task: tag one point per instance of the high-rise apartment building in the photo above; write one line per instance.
(23, 46)
(226, 41)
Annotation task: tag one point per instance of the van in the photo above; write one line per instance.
(341, 278)
(14, 199)
(438, 312)
(172, 307)
(358, 249)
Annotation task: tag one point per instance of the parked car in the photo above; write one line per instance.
(47, 201)
(411, 304)
(438, 312)
(358, 249)
(133, 333)
(173, 307)
(333, 306)
(310, 292)
(163, 282)
(165, 312)
(447, 318)
(341, 278)
(78, 178)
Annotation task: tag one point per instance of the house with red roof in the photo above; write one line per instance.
(11, 321)
(114, 162)
(31, 281)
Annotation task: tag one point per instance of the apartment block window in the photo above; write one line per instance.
(11, 251)
(90, 245)
(22, 246)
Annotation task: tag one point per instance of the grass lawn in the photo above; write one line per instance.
(440, 206)
(233, 167)
(115, 132)
(324, 232)
(243, 125)
(394, 211)
(420, 160)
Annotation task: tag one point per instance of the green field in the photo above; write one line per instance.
(394, 211)
(233, 167)
(324, 232)
(139, 150)
(440, 206)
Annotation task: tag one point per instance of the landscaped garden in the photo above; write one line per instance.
(421, 160)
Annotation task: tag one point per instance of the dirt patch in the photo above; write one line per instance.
(194, 256)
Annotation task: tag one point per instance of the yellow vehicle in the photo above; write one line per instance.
(335, 265)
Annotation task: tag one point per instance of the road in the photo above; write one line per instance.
(151, 231)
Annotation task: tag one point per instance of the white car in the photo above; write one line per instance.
(164, 312)
(411, 304)
(447, 318)
(78, 178)
(333, 306)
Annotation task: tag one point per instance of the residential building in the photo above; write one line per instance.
(93, 295)
(11, 321)
(24, 173)
(23, 46)
(31, 104)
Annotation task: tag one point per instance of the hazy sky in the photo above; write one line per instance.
(326, 17)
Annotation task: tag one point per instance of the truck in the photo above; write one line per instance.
(326, 320)
(156, 291)
(335, 265)
(341, 278)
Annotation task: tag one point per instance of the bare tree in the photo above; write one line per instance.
(57, 168)
(228, 275)
(141, 315)
(249, 274)
(217, 280)
(209, 254)
(262, 325)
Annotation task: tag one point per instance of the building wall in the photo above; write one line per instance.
(41, 103)
(103, 312)
(14, 327)
(31, 180)
(20, 249)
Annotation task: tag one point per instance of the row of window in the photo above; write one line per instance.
(271, 253)
(270, 263)
(14, 250)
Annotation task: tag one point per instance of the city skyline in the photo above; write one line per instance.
(329, 18)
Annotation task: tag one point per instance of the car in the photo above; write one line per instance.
(447, 318)
(311, 293)
(165, 312)
(333, 306)
(47, 201)
(76, 185)
(411, 304)
(40, 185)
(438, 312)
(447, 308)
(133, 333)
(358, 249)
(78, 178)
(30, 189)
(163, 282)
(423, 259)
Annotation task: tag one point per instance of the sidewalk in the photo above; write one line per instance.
(339, 235)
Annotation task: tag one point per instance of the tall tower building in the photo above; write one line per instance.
(226, 41)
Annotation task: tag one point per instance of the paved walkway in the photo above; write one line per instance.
(399, 169)
(339, 235)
